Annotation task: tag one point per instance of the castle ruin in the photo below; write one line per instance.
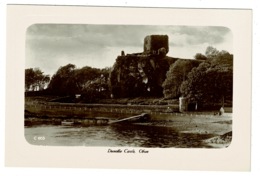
(142, 74)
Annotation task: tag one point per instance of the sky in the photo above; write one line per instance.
(50, 46)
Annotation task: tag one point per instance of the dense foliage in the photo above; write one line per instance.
(89, 82)
(200, 56)
(211, 82)
(35, 80)
(175, 76)
(63, 82)
(207, 80)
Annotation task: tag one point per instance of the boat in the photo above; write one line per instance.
(144, 117)
(67, 123)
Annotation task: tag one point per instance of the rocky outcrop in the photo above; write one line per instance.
(142, 74)
(220, 141)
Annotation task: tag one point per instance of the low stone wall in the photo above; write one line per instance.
(94, 110)
(66, 109)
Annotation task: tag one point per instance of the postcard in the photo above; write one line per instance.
(130, 88)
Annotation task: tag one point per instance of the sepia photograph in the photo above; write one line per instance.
(128, 85)
(128, 88)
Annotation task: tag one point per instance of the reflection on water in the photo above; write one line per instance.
(117, 135)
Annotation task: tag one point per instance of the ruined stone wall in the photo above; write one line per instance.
(154, 44)
(142, 74)
(139, 75)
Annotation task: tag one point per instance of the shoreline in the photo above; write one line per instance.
(216, 126)
(191, 122)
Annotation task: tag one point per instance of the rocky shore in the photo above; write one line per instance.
(221, 141)
(220, 127)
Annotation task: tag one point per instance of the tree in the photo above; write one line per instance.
(40, 79)
(63, 81)
(176, 75)
(210, 82)
(85, 74)
(211, 52)
(200, 56)
(35, 79)
(29, 78)
(69, 80)
(96, 89)
(194, 88)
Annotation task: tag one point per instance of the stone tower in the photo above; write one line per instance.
(154, 44)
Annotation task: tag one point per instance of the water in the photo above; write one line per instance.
(117, 135)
